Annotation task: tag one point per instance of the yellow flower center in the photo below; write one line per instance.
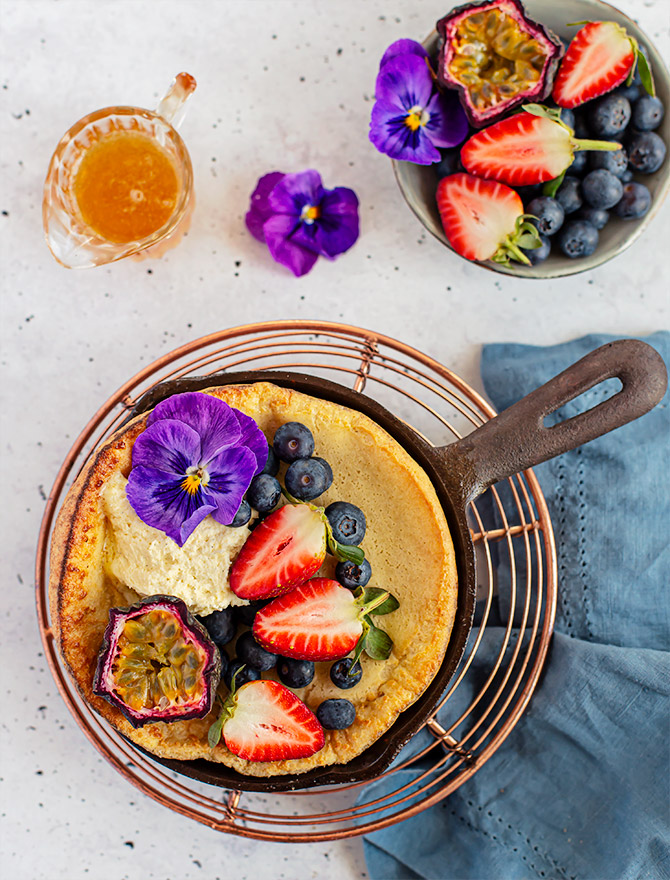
(195, 477)
(416, 117)
(310, 213)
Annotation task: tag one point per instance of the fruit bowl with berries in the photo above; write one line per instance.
(564, 163)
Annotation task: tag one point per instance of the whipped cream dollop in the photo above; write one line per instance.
(147, 561)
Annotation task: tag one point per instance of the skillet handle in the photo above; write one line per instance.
(518, 439)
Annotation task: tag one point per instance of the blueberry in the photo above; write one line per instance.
(220, 625)
(242, 516)
(351, 575)
(635, 202)
(450, 163)
(550, 214)
(596, 216)
(570, 194)
(647, 113)
(627, 176)
(601, 189)
(250, 652)
(247, 674)
(578, 238)
(345, 675)
(579, 163)
(307, 478)
(263, 493)
(295, 673)
(609, 116)
(581, 126)
(568, 117)
(614, 161)
(540, 254)
(646, 152)
(272, 464)
(328, 468)
(336, 714)
(225, 662)
(530, 192)
(631, 92)
(293, 441)
(246, 613)
(347, 522)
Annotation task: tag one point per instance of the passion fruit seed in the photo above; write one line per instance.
(495, 58)
(156, 665)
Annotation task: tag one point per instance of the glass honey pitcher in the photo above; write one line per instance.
(120, 184)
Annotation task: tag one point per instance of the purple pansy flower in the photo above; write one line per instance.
(196, 457)
(410, 118)
(403, 47)
(300, 221)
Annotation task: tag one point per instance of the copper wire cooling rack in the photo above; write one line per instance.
(516, 583)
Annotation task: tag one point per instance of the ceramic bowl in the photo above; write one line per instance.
(418, 183)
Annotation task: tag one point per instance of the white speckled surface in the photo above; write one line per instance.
(283, 84)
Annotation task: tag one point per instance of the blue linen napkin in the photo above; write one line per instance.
(580, 787)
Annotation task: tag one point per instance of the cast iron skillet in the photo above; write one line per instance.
(515, 440)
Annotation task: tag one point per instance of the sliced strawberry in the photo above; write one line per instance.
(481, 218)
(598, 59)
(527, 148)
(285, 550)
(319, 620)
(267, 722)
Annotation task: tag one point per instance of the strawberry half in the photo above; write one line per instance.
(599, 58)
(484, 220)
(265, 721)
(322, 620)
(529, 147)
(285, 550)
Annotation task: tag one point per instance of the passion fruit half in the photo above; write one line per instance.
(497, 57)
(157, 662)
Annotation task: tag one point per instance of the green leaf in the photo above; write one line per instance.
(552, 113)
(646, 75)
(551, 187)
(378, 644)
(578, 23)
(345, 553)
(527, 242)
(360, 644)
(215, 731)
(390, 604)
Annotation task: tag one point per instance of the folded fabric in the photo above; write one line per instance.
(580, 787)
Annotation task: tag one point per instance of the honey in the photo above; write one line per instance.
(126, 186)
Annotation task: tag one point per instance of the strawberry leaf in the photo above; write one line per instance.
(551, 187)
(215, 731)
(346, 553)
(646, 76)
(378, 644)
(360, 644)
(553, 113)
(528, 242)
(388, 605)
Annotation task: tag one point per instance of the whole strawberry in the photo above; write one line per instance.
(484, 220)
